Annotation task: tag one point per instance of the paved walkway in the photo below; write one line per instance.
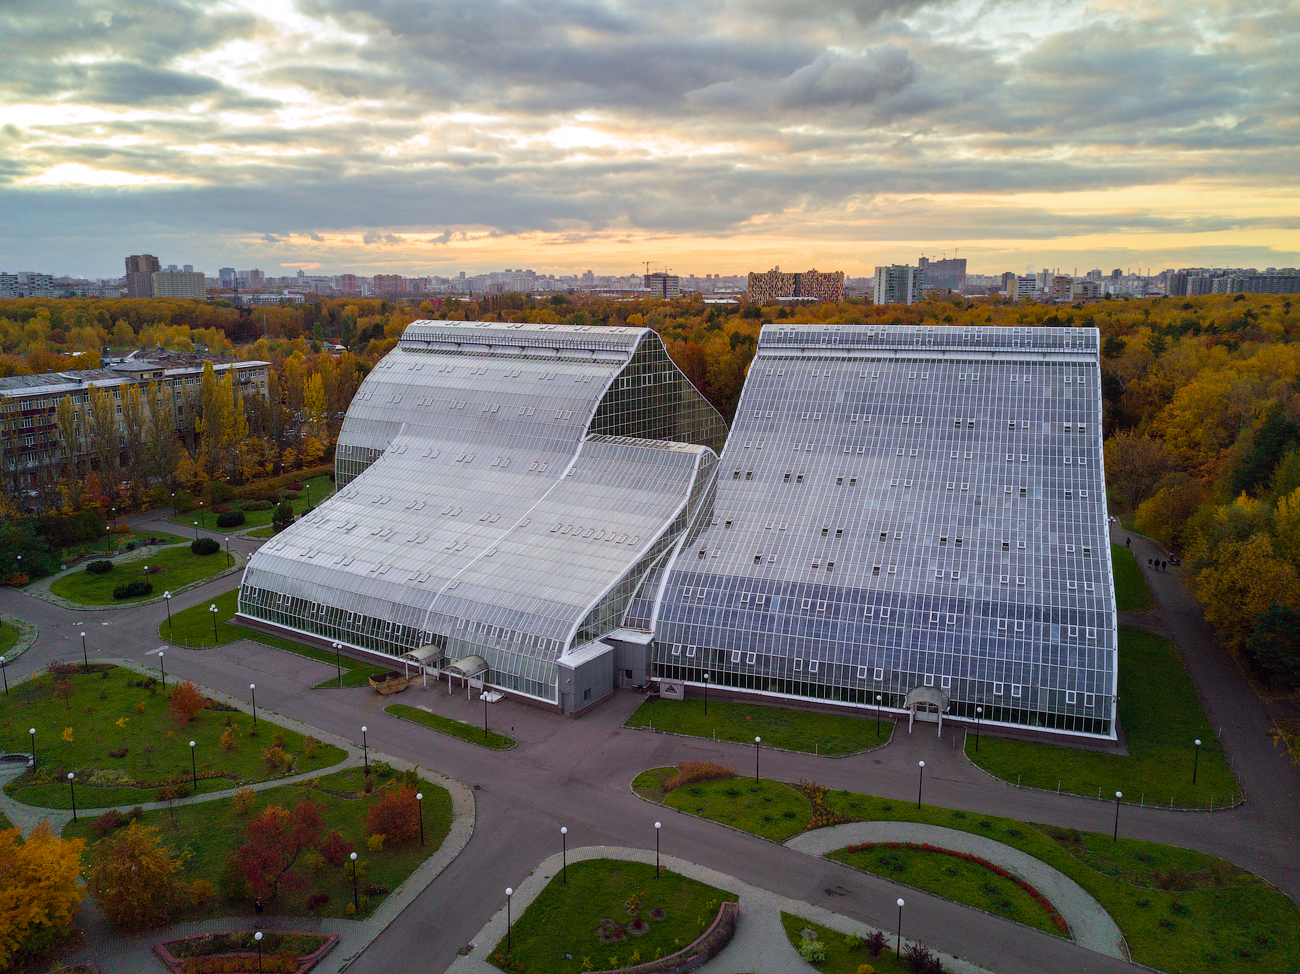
(760, 944)
(1091, 925)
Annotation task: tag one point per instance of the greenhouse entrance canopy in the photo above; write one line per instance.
(924, 698)
(471, 667)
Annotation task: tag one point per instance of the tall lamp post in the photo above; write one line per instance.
(228, 558)
(658, 826)
(978, 712)
(483, 693)
(32, 731)
(196, 530)
(920, 780)
(878, 716)
(72, 789)
(356, 902)
(564, 856)
(194, 768)
(252, 691)
(365, 750)
(898, 950)
(1118, 796)
(163, 666)
(706, 694)
(1196, 760)
(167, 600)
(757, 742)
(338, 663)
(509, 893)
(419, 801)
(85, 660)
(258, 937)
(213, 609)
(4, 671)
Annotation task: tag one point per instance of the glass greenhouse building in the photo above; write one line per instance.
(905, 517)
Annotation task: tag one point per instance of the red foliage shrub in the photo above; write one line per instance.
(335, 848)
(689, 772)
(185, 702)
(395, 814)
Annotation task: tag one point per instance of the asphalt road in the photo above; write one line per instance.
(576, 773)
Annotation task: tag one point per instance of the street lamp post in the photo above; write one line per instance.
(898, 951)
(32, 731)
(4, 671)
(228, 558)
(196, 530)
(1118, 796)
(706, 694)
(419, 800)
(213, 609)
(877, 716)
(978, 712)
(85, 660)
(365, 750)
(163, 666)
(564, 856)
(252, 690)
(920, 780)
(167, 600)
(194, 768)
(658, 826)
(1196, 760)
(356, 902)
(72, 789)
(483, 694)
(258, 937)
(757, 742)
(509, 893)
(338, 663)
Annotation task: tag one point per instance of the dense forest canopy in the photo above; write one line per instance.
(1201, 400)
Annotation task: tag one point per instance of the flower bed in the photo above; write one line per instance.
(708, 946)
(1057, 920)
(228, 953)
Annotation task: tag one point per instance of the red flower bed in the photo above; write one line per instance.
(1057, 920)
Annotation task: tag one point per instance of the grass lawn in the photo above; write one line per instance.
(1179, 910)
(793, 730)
(193, 627)
(839, 958)
(318, 488)
(156, 747)
(4, 822)
(1161, 717)
(1131, 592)
(266, 532)
(180, 567)
(565, 920)
(953, 878)
(209, 831)
(112, 544)
(8, 636)
(766, 808)
(453, 728)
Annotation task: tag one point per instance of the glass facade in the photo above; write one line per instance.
(502, 491)
(901, 507)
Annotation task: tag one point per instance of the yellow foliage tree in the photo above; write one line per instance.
(38, 885)
(1244, 579)
(133, 878)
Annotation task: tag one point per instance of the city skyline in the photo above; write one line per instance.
(432, 138)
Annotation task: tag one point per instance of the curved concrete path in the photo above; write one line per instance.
(1091, 925)
(760, 944)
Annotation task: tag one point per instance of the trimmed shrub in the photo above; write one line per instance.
(256, 505)
(231, 519)
(294, 486)
(133, 589)
(205, 546)
(100, 567)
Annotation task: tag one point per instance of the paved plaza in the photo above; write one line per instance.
(577, 773)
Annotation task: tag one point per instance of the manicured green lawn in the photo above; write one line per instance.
(193, 627)
(1179, 910)
(793, 730)
(1131, 591)
(317, 489)
(453, 728)
(4, 822)
(565, 919)
(209, 831)
(180, 568)
(111, 544)
(953, 878)
(766, 808)
(1161, 717)
(157, 747)
(266, 532)
(839, 958)
(8, 636)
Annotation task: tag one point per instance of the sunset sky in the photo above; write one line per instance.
(424, 137)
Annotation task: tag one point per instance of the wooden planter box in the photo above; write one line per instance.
(391, 682)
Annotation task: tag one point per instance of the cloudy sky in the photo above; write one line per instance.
(427, 136)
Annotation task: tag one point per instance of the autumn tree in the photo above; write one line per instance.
(1134, 465)
(273, 843)
(38, 886)
(1242, 580)
(185, 702)
(135, 878)
(395, 814)
(163, 447)
(134, 436)
(102, 434)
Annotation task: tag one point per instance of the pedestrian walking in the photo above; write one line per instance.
(1128, 542)
(1163, 564)
(257, 908)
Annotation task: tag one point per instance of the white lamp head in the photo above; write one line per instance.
(419, 796)
(509, 891)
(900, 901)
